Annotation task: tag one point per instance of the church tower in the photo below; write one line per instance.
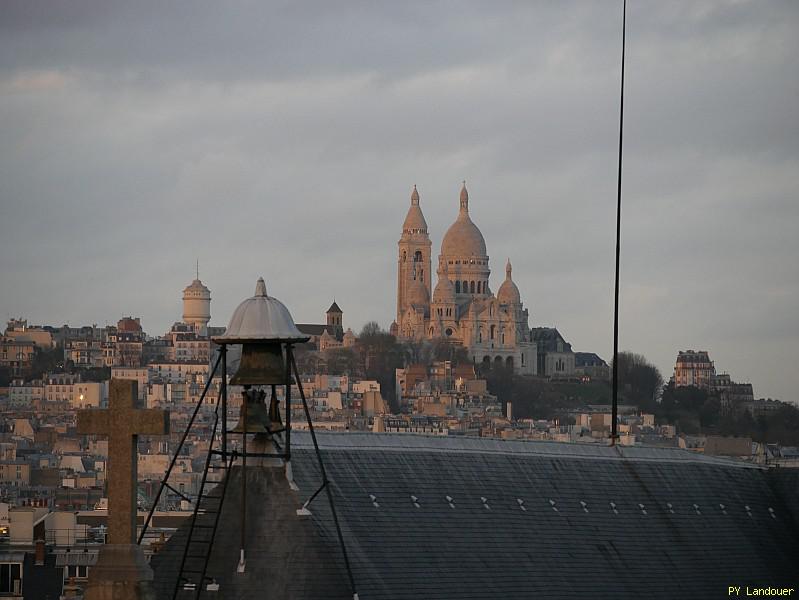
(413, 262)
(334, 319)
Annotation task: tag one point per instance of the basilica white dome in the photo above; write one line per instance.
(463, 238)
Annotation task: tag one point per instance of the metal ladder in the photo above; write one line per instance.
(192, 578)
(207, 504)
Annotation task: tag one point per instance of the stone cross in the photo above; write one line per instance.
(122, 422)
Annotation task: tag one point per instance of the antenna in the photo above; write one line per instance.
(198, 268)
(615, 405)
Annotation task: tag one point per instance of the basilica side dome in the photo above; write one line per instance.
(417, 293)
(463, 238)
(445, 291)
(508, 292)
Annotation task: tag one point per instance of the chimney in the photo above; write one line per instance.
(39, 552)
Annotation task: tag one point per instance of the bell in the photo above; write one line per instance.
(261, 363)
(257, 417)
(275, 422)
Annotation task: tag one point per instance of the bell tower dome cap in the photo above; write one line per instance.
(414, 219)
(261, 318)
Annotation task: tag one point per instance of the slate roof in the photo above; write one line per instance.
(334, 308)
(548, 338)
(583, 359)
(315, 329)
(444, 518)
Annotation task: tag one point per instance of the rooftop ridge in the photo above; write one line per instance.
(400, 442)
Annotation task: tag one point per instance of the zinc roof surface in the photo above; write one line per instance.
(439, 517)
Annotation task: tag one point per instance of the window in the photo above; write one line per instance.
(9, 573)
(457, 287)
(465, 287)
(472, 287)
(76, 571)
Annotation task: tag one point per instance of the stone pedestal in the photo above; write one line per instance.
(121, 573)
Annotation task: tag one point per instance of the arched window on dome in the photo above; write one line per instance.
(457, 287)
(472, 290)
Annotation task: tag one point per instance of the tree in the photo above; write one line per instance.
(639, 381)
(371, 329)
(443, 349)
(686, 407)
(46, 361)
(341, 361)
(380, 355)
(308, 360)
(417, 352)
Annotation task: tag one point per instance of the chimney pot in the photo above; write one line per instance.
(39, 552)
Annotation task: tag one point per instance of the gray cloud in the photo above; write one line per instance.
(282, 140)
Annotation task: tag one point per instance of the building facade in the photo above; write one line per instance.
(694, 368)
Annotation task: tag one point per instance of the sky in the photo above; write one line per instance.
(283, 139)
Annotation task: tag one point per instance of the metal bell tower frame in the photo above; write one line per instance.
(260, 355)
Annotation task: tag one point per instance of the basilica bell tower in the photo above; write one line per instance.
(413, 262)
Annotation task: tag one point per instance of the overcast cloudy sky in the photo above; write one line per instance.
(283, 140)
